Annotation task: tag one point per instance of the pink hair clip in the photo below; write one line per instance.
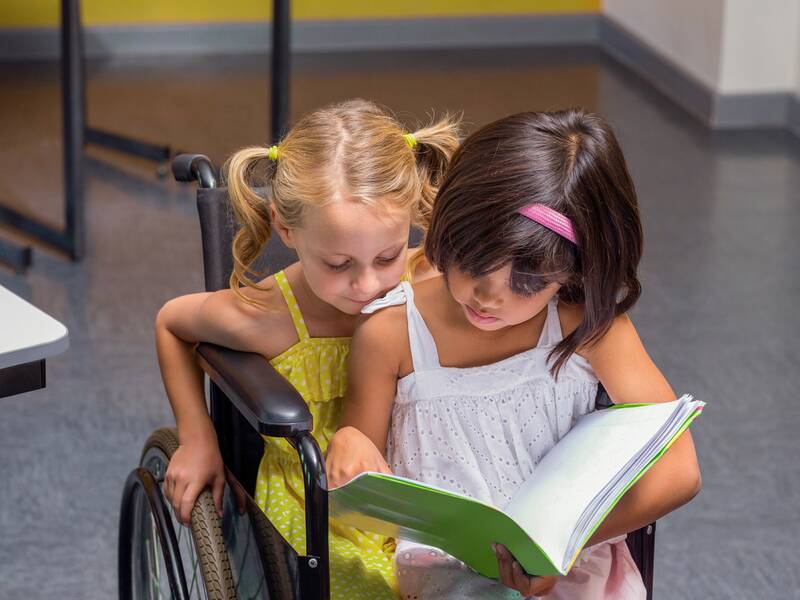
(552, 219)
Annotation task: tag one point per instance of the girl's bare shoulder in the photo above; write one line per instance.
(383, 327)
(257, 321)
(383, 340)
(621, 332)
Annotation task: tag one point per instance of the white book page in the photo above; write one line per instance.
(549, 505)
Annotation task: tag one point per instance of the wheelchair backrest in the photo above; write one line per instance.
(217, 228)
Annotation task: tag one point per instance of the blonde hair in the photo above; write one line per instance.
(355, 148)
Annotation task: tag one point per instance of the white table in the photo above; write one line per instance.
(27, 337)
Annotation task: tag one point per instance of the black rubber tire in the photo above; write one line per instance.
(205, 524)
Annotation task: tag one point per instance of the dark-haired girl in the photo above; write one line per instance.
(467, 380)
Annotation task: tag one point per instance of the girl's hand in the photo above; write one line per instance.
(512, 575)
(350, 452)
(193, 467)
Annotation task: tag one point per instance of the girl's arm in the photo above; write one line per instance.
(197, 462)
(374, 364)
(629, 376)
(218, 318)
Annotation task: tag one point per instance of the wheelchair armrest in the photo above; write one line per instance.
(268, 401)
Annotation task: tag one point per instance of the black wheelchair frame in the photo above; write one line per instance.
(248, 398)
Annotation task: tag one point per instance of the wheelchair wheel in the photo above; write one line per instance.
(158, 557)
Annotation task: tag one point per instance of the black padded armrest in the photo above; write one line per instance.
(263, 397)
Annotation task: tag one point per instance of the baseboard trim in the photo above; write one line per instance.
(308, 36)
(665, 76)
(716, 111)
(794, 115)
(746, 111)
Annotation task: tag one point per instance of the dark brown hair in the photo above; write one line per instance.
(570, 161)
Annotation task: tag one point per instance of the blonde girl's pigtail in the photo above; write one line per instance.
(252, 212)
(433, 146)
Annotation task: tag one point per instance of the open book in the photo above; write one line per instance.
(550, 517)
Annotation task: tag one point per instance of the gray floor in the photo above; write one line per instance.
(721, 213)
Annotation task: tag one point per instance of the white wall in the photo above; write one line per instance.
(797, 66)
(760, 47)
(731, 46)
(686, 32)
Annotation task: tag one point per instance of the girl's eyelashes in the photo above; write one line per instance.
(381, 260)
(340, 267)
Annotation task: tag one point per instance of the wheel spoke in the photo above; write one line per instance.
(194, 560)
(189, 558)
(156, 554)
(154, 581)
(155, 560)
(257, 593)
(194, 581)
(244, 557)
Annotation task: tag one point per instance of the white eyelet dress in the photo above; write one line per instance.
(481, 431)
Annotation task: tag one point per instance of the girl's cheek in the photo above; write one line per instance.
(394, 275)
(327, 283)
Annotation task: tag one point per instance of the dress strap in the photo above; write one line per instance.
(551, 332)
(424, 354)
(291, 302)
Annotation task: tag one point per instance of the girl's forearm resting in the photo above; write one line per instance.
(183, 381)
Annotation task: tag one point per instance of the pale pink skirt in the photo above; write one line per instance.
(605, 571)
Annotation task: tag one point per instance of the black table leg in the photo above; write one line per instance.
(15, 256)
(22, 378)
(281, 52)
(72, 240)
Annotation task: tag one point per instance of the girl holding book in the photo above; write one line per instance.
(467, 380)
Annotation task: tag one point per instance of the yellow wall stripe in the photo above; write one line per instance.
(44, 13)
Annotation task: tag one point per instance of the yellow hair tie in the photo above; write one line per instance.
(272, 153)
(410, 140)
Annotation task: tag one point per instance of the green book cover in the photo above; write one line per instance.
(550, 517)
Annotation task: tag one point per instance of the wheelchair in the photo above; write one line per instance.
(241, 554)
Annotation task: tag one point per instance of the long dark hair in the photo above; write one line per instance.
(570, 161)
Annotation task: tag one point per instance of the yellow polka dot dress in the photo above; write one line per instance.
(361, 563)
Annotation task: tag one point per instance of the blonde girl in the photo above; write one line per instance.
(342, 189)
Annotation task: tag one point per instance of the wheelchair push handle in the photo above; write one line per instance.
(194, 167)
